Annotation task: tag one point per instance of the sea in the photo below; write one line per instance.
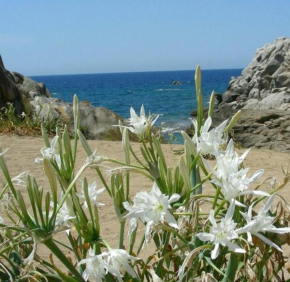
(155, 90)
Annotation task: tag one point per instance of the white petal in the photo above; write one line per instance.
(212, 219)
(205, 236)
(279, 230)
(243, 156)
(255, 192)
(174, 198)
(267, 205)
(267, 241)
(207, 124)
(234, 247)
(230, 212)
(256, 175)
(142, 111)
(215, 251)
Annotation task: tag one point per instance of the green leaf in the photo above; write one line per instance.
(232, 267)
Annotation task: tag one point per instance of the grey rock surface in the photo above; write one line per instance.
(94, 121)
(261, 129)
(265, 82)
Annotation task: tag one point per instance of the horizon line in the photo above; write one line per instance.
(131, 72)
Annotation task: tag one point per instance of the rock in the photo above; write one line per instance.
(176, 82)
(9, 93)
(95, 122)
(268, 73)
(265, 129)
(31, 88)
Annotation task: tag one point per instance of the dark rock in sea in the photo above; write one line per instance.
(15, 88)
(176, 82)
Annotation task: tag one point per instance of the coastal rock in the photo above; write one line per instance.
(261, 129)
(176, 82)
(268, 73)
(95, 122)
(9, 93)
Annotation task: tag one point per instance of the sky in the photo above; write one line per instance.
(49, 37)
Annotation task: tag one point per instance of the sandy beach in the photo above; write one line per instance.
(23, 151)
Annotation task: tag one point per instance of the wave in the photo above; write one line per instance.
(167, 89)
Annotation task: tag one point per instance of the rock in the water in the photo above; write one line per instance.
(176, 82)
(268, 73)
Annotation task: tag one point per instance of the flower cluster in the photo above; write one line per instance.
(231, 176)
(139, 124)
(151, 208)
(114, 261)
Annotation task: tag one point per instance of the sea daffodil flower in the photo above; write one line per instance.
(222, 233)
(208, 139)
(48, 152)
(233, 179)
(96, 266)
(118, 261)
(151, 208)
(138, 124)
(64, 214)
(93, 194)
(263, 223)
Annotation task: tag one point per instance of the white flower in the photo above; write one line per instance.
(49, 152)
(207, 140)
(96, 267)
(118, 261)
(151, 208)
(263, 223)
(222, 233)
(233, 179)
(18, 179)
(23, 115)
(93, 194)
(94, 160)
(65, 213)
(138, 124)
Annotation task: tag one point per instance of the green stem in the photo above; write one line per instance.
(165, 247)
(141, 244)
(216, 197)
(60, 255)
(219, 207)
(121, 238)
(104, 181)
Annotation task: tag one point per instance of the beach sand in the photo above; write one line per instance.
(23, 151)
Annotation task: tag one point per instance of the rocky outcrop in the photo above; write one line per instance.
(262, 92)
(95, 122)
(265, 83)
(9, 92)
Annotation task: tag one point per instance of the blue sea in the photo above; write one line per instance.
(120, 91)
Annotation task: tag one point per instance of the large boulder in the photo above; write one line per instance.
(25, 93)
(265, 83)
(95, 122)
(9, 92)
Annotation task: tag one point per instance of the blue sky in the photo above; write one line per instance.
(88, 36)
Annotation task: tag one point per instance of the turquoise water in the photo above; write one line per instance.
(120, 91)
